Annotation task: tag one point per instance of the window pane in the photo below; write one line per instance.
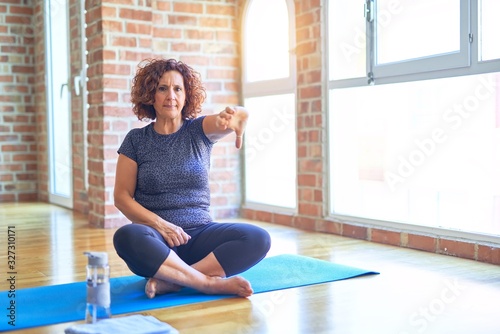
(347, 39)
(267, 44)
(424, 152)
(409, 29)
(489, 27)
(270, 151)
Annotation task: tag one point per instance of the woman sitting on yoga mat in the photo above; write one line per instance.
(162, 187)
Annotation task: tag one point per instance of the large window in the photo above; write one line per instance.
(414, 113)
(268, 89)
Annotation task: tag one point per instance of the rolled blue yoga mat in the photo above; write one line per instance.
(48, 305)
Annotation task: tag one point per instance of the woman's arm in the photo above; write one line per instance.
(125, 183)
(231, 119)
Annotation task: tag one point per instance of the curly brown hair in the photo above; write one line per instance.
(146, 80)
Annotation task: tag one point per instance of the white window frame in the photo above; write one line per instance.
(454, 60)
(55, 196)
(465, 62)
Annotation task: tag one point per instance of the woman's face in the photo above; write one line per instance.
(170, 96)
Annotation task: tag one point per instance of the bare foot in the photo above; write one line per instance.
(156, 286)
(234, 285)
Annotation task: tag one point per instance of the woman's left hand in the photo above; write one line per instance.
(234, 118)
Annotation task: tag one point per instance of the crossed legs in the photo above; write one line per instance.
(214, 252)
(202, 276)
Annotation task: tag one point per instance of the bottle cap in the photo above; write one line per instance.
(97, 258)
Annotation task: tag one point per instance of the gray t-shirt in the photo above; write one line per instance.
(173, 172)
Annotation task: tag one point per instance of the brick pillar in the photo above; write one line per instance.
(80, 198)
(41, 104)
(110, 25)
(95, 46)
(310, 113)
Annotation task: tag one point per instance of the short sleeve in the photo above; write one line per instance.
(128, 147)
(197, 128)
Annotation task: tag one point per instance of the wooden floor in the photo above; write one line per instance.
(416, 292)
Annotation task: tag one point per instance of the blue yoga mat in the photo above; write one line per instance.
(48, 305)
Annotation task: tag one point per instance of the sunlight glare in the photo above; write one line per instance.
(267, 40)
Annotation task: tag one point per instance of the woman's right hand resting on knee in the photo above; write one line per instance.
(173, 234)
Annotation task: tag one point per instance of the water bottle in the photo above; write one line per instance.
(98, 290)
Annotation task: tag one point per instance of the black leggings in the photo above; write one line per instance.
(237, 246)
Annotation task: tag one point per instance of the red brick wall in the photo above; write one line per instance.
(80, 198)
(40, 104)
(18, 140)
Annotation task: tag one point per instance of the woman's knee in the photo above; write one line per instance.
(248, 249)
(141, 247)
(256, 240)
(125, 235)
(260, 240)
